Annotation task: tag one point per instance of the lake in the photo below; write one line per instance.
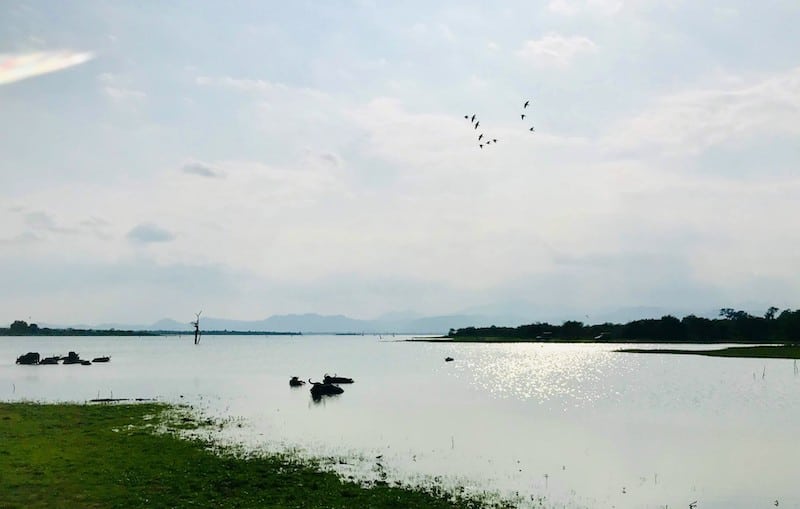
(561, 425)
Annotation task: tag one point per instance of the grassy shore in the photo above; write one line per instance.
(109, 456)
(765, 352)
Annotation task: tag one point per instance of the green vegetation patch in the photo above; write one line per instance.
(768, 352)
(108, 456)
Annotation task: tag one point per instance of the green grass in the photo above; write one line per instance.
(109, 456)
(766, 352)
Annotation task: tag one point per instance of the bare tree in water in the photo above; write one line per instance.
(196, 324)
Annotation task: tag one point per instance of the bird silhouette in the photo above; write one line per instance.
(466, 117)
(494, 140)
(472, 119)
(479, 137)
(532, 130)
(526, 104)
(477, 124)
(481, 145)
(522, 116)
(488, 142)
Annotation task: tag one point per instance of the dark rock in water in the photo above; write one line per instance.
(101, 359)
(29, 358)
(448, 359)
(50, 360)
(296, 382)
(336, 380)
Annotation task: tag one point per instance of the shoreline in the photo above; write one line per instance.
(139, 455)
(490, 339)
(749, 352)
(752, 351)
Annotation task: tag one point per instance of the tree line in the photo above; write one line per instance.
(731, 325)
(22, 328)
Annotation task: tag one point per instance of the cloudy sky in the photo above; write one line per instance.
(258, 158)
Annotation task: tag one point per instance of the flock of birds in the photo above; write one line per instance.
(475, 123)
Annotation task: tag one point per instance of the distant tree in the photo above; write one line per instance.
(671, 329)
(770, 314)
(788, 325)
(33, 328)
(571, 329)
(19, 327)
(196, 325)
(732, 314)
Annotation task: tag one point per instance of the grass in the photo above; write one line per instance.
(765, 352)
(112, 456)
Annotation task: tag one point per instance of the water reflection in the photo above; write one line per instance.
(569, 373)
(557, 424)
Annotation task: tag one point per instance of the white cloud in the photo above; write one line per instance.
(261, 87)
(563, 7)
(21, 239)
(115, 87)
(347, 158)
(575, 7)
(124, 94)
(554, 50)
(689, 122)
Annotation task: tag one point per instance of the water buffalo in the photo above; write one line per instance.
(72, 358)
(336, 379)
(296, 382)
(322, 389)
(29, 358)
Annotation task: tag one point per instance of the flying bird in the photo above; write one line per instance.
(481, 146)
(477, 124)
(494, 140)
(526, 104)
(522, 116)
(479, 137)
(466, 117)
(472, 119)
(532, 130)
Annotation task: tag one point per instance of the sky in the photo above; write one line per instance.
(257, 158)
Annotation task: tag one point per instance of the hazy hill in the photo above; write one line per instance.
(400, 322)
(333, 324)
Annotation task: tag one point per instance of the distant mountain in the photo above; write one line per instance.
(312, 323)
(168, 324)
(401, 322)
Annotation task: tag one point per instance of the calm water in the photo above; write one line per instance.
(580, 425)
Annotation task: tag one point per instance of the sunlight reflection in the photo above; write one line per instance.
(567, 372)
